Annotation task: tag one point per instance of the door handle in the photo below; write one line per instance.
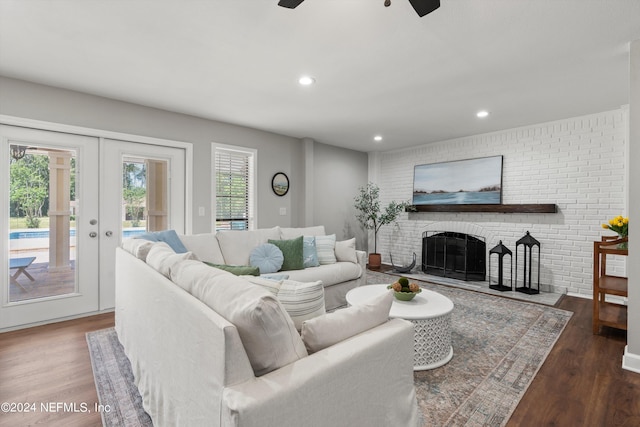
(109, 233)
(93, 234)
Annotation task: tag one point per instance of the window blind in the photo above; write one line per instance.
(233, 189)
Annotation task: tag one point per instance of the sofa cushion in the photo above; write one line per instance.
(237, 270)
(162, 258)
(137, 247)
(292, 233)
(325, 331)
(168, 236)
(309, 252)
(346, 250)
(292, 251)
(329, 274)
(205, 246)
(266, 330)
(236, 245)
(325, 245)
(267, 257)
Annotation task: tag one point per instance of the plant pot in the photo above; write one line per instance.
(404, 296)
(375, 261)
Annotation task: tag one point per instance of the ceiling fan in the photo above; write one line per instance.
(422, 7)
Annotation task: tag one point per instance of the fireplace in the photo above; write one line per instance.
(456, 255)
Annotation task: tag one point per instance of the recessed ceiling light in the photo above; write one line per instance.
(377, 138)
(482, 114)
(306, 80)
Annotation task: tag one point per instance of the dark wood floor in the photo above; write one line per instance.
(580, 384)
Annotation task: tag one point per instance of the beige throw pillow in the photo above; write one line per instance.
(162, 258)
(324, 331)
(346, 251)
(137, 247)
(267, 332)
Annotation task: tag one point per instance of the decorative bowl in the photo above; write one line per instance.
(405, 296)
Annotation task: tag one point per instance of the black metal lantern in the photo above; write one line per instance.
(501, 251)
(528, 243)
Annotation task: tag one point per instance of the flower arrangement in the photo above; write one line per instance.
(619, 225)
(403, 290)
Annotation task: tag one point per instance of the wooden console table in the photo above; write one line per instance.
(606, 313)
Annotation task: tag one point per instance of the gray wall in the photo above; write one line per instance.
(334, 179)
(276, 153)
(632, 357)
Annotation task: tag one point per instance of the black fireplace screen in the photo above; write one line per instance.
(456, 255)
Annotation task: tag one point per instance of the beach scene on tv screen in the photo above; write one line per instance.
(473, 181)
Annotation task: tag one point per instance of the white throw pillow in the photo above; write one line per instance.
(332, 328)
(346, 251)
(325, 247)
(162, 258)
(137, 247)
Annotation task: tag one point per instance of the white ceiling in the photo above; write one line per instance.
(378, 70)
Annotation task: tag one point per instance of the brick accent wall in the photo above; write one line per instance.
(578, 163)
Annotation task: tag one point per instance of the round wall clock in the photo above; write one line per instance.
(280, 183)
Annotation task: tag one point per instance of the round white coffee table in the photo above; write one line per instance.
(430, 313)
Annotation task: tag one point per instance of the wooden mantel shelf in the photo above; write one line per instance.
(511, 208)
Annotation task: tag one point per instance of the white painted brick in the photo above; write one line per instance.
(576, 163)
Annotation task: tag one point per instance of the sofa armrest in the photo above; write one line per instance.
(362, 259)
(364, 380)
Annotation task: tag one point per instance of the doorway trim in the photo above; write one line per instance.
(106, 134)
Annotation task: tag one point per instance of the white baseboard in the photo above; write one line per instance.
(630, 361)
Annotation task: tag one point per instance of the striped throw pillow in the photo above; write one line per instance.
(302, 301)
(325, 247)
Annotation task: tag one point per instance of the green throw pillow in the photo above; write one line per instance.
(293, 253)
(238, 270)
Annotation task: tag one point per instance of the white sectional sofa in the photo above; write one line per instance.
(208, 348)
(346, 272)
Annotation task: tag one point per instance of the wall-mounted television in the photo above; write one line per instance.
(462, 182)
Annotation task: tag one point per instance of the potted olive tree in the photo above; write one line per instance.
(370, 215)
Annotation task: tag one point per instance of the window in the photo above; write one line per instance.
(233, 177)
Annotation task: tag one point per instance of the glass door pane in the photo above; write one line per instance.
(144, 195)
(42, 199)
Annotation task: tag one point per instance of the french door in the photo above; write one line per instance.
(144, 190)
(68, 203)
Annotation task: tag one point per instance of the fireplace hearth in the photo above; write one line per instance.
(455, 255)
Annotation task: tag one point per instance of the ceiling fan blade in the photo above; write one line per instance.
(290, 4)
(423, 7)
